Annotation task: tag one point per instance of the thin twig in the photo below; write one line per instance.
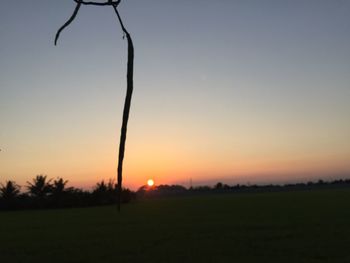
(70, 20)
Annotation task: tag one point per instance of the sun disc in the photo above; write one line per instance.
(150, 182)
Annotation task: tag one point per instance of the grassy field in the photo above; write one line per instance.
(305, 226)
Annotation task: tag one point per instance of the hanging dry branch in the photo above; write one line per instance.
(127, 104)
(130, 82)
(70, 20)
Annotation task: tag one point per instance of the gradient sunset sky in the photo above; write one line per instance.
(232, 91)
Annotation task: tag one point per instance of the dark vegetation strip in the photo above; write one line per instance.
(43, 193)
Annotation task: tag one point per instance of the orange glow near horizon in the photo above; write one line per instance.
(246, 151)
(177, 164)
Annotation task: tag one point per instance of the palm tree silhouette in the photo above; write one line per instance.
(59, 186)
(9, 191)
(40, 187)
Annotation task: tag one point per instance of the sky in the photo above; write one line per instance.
(238, 91)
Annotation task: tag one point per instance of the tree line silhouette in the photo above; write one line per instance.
(48, 193)
(173, 190)
(43, 193)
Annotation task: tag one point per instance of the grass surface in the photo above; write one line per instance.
(305, 226)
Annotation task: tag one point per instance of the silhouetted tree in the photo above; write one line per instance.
(61, 195)
(40, 187)
(101, 187)
(100, 193)
(320, 182)
(218, 186)
(9, 191)
(130, 77)
(58, 187)
(112, 186)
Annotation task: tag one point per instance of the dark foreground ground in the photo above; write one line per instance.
(305, 226)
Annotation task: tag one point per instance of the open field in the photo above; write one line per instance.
(305, 226)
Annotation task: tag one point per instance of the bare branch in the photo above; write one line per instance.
(70, 20)
(98, 3)
(120, 20)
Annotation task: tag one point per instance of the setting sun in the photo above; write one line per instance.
(150, 182)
